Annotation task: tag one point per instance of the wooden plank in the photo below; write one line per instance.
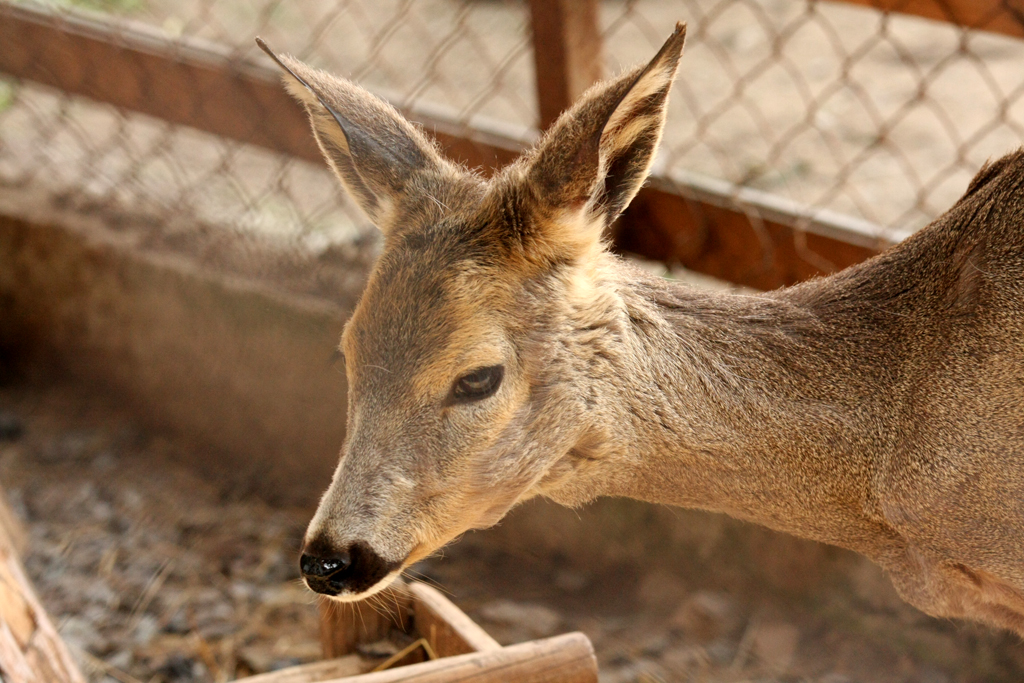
(999, 16)
(31, 650)
(566, 53)
(567, 658)
(14, 610)
(447, 628)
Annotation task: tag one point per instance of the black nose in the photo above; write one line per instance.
(324, 567)
(331, 570)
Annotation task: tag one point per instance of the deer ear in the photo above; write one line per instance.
(595, 158)
(372, 148)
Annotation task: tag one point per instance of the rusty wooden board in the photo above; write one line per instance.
(998, 16)
(763, 246)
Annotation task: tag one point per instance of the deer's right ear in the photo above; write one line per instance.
(594, 159)
(372, 148)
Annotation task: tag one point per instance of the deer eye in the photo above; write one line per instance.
(477, 385)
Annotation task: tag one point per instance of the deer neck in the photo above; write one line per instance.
(756, 406)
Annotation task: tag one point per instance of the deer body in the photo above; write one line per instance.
(880, 409)
(500, 352)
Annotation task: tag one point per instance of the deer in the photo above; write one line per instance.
(501, 352)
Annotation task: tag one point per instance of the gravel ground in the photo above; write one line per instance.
(156, 573)
(145, 566)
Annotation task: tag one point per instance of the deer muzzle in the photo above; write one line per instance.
(340, 572)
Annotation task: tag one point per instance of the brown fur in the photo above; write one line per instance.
(880, 409)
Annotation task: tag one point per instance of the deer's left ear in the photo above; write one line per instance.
(595, 158)
(374, 151)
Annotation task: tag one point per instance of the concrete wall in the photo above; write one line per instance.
(242, 370)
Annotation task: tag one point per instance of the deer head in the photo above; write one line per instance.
(468, 355)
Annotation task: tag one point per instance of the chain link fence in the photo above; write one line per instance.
(880, 116)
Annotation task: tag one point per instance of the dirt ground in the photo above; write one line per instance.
(154, 572)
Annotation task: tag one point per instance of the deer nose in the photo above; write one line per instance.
(331, 571)
(323, 567)
(325, 574)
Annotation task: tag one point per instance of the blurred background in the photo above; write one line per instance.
(176, 262)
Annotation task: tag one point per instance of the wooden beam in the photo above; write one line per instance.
(566, 53)
(567, 658)
(999, 16)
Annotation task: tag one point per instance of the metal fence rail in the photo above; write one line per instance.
(797, 129)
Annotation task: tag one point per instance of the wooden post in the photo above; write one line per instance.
(566, 52)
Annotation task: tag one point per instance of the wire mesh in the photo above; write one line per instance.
(179, 185)
(880, 116)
